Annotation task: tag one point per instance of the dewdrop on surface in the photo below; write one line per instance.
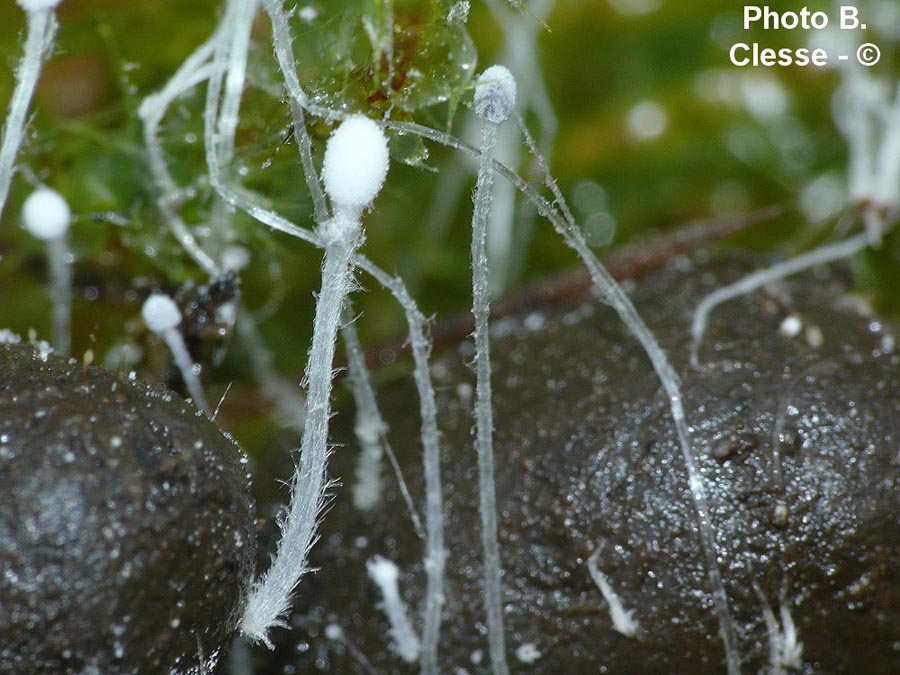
(495, 94)
(356, 162)
(46, 214)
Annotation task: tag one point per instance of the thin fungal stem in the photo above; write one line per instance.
(356, 163)
(751, 282)
(435, 557)
(284, 54)
(287, 398)
(484, 422)
(185, 364)
(370, 429)
(270, 597)
(61, 292)
(41, 29)
(194, 70)
(622, 619)
(622, 305)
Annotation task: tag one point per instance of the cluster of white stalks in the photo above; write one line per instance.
(352, 174)
(866, 110)
(219, 62)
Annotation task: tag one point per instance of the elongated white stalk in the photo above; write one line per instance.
(495, 97)
(287, 398)
(270, 598)
(61, 292)
(356, 163)
(41, 29)
(162, 316)
(435, 557)
(616, 297)
(284, 53)
(46, 216)
(371, 430)
(751, 282)
(194, 70)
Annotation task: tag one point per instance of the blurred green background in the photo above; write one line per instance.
(655, 128)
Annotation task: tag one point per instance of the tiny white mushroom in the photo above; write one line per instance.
(162, 316)
(355, 165)
(46, 216)
(495, 99)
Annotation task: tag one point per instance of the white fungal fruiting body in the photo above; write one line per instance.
(385, 574)
(160, 313)
(495, 97)
(46, 214)
(622, 619)
(355, 166)
(356, 162)
(162, 316)
(495, 94)
(37, 5)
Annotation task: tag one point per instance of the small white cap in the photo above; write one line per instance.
(45, 214)
(37, 5)
(356, 162)
(160, 313)
(495, 94)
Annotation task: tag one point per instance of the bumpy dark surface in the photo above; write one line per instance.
(586, 459)
(126, 528)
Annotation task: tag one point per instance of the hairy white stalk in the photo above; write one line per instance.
(46, 216)
(371, 431)
(509, 228)
(162, 316)
(356, 163)
(421, 348)
(495, 96)
(404, 641)
(615, 296)
(750, 283)
(41, 29)
(622, 619)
